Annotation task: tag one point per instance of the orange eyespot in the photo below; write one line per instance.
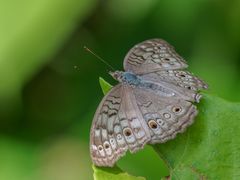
(152, 124)
(127, 132)
(177, 109)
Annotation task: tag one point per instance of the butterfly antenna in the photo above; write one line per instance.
(101, 59)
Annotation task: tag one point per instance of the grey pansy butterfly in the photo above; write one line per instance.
(151, 104)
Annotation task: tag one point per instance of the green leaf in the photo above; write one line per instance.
(104, 173)
(209, 149)
(104, 85)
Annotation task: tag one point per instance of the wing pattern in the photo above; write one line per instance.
(117, 127)
(179, 78)
(165, 117)
(153, 55)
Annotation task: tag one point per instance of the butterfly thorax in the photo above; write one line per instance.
(131, 79)
(126, 77)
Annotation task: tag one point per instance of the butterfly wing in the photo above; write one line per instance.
(179, 78)
(165, 117)
(153, 55)
(183, 84)
(118, 126)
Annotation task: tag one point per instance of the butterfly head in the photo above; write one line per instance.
(117, 75)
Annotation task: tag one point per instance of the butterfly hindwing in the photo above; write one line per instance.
(165, 117)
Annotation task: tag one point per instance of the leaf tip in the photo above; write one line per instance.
(104, 85)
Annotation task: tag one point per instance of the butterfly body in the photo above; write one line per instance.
(142, 82)
(152, 103)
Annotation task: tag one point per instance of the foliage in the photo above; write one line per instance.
(112, 173)
(104, 85)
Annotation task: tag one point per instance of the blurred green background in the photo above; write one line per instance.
(47, 105)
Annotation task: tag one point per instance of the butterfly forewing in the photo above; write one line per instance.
(153, 55)
(109, 106)
(179, 78)
(118, 126)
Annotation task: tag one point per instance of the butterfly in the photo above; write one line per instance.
(152, 103)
